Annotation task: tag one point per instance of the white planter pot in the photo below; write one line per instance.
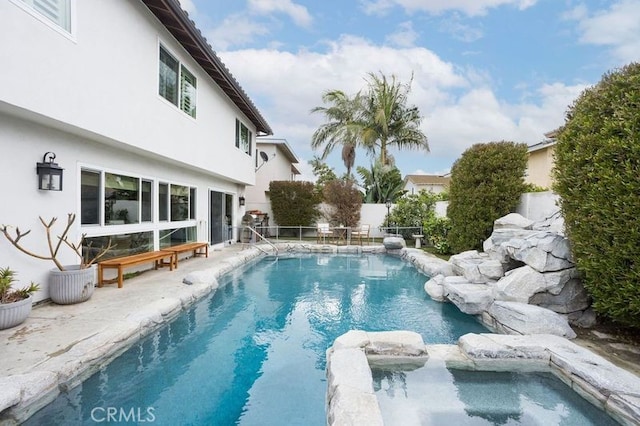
(74, 285)
(12, 314)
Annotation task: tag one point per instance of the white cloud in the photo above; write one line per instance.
(617, 27)
(404, 36)
(189, 7)
(235, 30)
(460, 31)
(298, 14)
(459, 105)
(468, 7)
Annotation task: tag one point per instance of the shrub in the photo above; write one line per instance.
(413, 210)
(436, 230)
(346, 202)
(532, 187)
(486, 183)
(596, 175)
(294, 203)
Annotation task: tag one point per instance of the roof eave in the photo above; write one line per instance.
(177, 22)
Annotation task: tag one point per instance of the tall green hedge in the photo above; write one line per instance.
(294, 203)
(486, 183)
(597, 175)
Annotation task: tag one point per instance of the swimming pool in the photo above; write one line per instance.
(254, 351)
(436, 395)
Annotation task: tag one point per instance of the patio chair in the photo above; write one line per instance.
(363, 231)
(323, 231)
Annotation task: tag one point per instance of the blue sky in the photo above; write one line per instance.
(483, 70)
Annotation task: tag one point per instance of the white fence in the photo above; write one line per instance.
(533, 206)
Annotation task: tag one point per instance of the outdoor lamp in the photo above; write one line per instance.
(49, 173)
(241, 200)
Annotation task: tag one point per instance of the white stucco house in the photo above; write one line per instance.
(434, 183)
(275, 161)
(541, 161)
(156, 138)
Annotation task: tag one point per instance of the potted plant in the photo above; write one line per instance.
(67, 283)
(15, 305)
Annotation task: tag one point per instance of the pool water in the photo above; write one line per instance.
(253, 353)
(435, 395)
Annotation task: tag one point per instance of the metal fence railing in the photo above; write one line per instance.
(339, 234)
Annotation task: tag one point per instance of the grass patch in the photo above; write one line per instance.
(432, 250)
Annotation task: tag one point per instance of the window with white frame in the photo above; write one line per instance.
(176, 83)
(121, 199)
(117, 198)
(176, 202)
(56, 11)
(243, 137)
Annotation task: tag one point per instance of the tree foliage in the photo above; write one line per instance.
(486, 183)
(345, 200)
(381, 183)
(436, 231)
(413, 210)
(341, 127)
(387, 120)
(597, 169)
(323, 173)
(294, 203)
(373, 119)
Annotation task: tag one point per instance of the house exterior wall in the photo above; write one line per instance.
(413, 188)
(539, 167)
(278, 168)
(105, 81)
(92, 98)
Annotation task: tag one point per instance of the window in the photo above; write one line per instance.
(243, 137)
(179, 202)
(187, 92)
(56, 11)
(147, 201)
(121, 199)
(170, 72)
(176, 202)
(192, 203)
(163, 201)
(172, 237)
(123, 244)
(168, 77)
(89, 197)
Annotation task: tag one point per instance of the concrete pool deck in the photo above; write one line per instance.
(61, 345)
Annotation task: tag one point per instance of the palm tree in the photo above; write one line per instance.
(381, 183)
(341, 127)
(374, 120)
(387, 120)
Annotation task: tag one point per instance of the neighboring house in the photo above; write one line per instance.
(275, 160)
(155, 136)
(434, 183)
(541, 161)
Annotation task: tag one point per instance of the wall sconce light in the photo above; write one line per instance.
(49, 173)
(241, 200)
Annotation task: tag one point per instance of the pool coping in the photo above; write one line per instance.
(351, 398)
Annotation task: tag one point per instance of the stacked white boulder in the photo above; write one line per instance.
(525, 282)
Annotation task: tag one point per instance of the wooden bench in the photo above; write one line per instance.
(195, 248)
(120, 263)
